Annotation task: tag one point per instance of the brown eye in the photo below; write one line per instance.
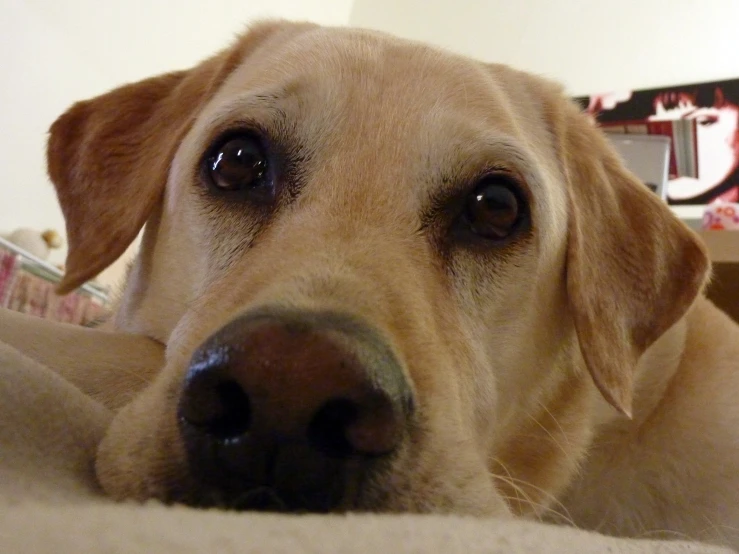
(493, 209)
(238, 164)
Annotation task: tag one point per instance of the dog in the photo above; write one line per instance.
(390, 278)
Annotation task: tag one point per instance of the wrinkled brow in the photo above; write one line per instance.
(460, 166)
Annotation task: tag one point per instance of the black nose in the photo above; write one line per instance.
(282, 409)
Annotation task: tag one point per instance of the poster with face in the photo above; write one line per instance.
(711, 111)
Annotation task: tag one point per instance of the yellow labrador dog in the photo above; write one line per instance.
(390, 278)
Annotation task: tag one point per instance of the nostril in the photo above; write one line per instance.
(327, 429)
(344, 427)
(235, 416)
(219, 408)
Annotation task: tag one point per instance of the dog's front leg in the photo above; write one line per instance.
(108, 366)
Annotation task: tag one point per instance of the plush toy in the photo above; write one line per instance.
(34, 242)
(721, 216)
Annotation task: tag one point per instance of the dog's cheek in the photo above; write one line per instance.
(141, 456)
(446, 477)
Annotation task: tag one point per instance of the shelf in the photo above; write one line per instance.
(693, 215)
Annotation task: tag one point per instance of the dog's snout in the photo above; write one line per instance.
(294, 382)
(284, 400)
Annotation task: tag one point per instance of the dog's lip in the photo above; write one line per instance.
(246, 494)
(262, 498)
(276, 488)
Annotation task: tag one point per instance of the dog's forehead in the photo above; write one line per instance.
(365, 74)
(360, 90)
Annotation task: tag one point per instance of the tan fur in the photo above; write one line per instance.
(512, 352)
(99, 371)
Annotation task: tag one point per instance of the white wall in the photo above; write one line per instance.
(590, 46)
(54, 52)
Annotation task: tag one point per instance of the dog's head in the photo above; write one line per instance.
(388, 277)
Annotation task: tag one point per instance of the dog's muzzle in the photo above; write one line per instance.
(289, 410)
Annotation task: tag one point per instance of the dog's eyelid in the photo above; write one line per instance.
(222, 134)
(270, 123)
(454, 188)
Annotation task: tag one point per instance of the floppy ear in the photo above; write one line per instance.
(633, 268)
(109, 157)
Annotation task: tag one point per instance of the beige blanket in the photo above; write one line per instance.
(50, 503)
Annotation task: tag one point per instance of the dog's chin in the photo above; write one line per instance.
(142, 458)
(379, 496)
(129, 471)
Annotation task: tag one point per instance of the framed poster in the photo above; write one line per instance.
(702, 122)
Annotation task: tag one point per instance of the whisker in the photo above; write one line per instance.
(564, 515)
(564, 451)
(663, 534)
(557, 423)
